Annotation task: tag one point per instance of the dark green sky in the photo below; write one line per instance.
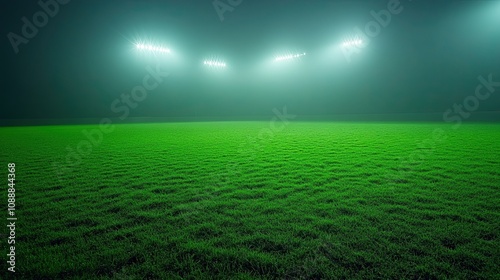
(425, 60)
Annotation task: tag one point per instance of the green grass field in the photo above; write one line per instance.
(229, 200)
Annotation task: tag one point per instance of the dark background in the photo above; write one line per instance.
(424, 61)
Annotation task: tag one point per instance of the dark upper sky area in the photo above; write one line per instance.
(82, 60)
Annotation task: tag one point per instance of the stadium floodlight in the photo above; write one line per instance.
(350, 43)
(288, 57)
(214, 63)
(152, 48)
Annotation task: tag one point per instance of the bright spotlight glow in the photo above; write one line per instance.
(350, 43)
(213, 63)
(288, 57)
(152, 48)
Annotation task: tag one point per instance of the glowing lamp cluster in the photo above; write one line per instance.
(351, 43)
(152, 48)
(213, 63)
(288, 57)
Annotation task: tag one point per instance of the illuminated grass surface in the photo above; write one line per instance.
(317, 200)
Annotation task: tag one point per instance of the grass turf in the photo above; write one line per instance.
(232, 200)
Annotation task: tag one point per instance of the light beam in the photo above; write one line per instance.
(213, 63)
(152, 48)
(288, 57)
(351, 43)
